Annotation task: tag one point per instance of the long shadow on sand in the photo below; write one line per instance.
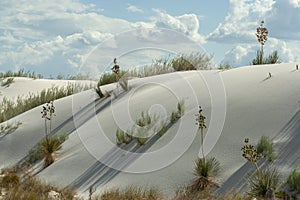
(82, 116)
(288, 153)
(99, 173)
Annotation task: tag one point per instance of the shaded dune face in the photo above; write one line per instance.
(255, 105)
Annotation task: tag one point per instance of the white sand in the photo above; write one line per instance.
(256, 106)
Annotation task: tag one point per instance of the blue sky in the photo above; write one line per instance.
(63, 37)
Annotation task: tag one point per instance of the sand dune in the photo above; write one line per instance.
(255, 105)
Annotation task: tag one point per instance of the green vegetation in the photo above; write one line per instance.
(49, 146)
(273, 58)
(132, 193)
(31, 189)
(176, 115)
(20, 73)
(193, 61)
(224, 66)
(39, 151)
(205, 171)
(265, 148)
(262, 36)
(293, 180)
(267, 181)
(10, 108)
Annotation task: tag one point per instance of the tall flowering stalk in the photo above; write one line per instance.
(200, 121)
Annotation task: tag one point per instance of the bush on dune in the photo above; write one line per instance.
(265, 148)
(10, 108)
(293, 180)
(132, 193)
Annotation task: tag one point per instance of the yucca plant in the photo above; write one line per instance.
(265, 182)
(250, 154)
(205, 171)
(49, 146)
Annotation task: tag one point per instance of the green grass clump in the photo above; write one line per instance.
(273, 58)
(263, 181)
(20, 73)
(293, 180)
(265, 148)
(193, 61)
(176, 115)
(205, 171)
(132, 193)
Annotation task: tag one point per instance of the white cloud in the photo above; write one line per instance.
(239, 27)
(133, 8)
(243, 54)
(62, 34)
(187, 24)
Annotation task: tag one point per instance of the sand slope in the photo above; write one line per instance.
(255, 106)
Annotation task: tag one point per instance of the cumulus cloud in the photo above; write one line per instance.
(187, 24)
(133, 8)
(62, 34)
(239, 27)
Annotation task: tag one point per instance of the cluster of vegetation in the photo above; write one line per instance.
(13, 187)
(293, 181)
(145, 123)
(262, 36)
(10, 108)
(46, 148)
(20, 73)
(193, 61)
(132, 193)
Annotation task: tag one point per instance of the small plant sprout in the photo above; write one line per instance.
(250, 154)
(200, 121)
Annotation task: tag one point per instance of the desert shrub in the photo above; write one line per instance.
(293, 180)
(193, 61)
(20, 73)
(273, 58)
(120, 137)
(109, 77)
(141, 137)
(205, 171)
(38, 151)
(224, 66)
(10, 108)
(127, 138)
(10, 179)
(49, 146)
(263, 181)
(144, 120)
(176, 115)
(265, 148)
(187, 194)
(33, 189)
(132, 193)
